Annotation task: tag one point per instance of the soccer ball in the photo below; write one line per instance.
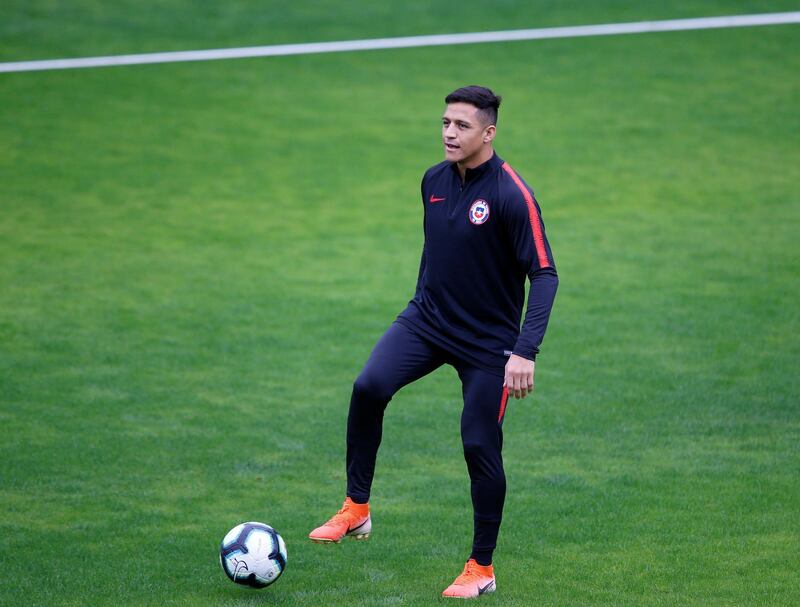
(253, 554)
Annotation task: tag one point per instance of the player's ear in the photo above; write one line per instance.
(488, 133)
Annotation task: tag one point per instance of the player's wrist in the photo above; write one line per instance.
(528, 355)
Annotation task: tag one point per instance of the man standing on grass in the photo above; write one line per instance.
(483, 236)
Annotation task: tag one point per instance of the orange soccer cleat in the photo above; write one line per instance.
(474, 581)
(352, 520)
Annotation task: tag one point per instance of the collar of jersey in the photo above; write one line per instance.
(471, 174)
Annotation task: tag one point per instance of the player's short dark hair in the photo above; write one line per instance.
(482, 98)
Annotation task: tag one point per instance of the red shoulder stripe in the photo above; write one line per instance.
(533, 215)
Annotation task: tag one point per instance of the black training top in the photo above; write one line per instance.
(482, 238)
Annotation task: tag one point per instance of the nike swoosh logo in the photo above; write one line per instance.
(434, 199)
(485, 588)
(357, 528)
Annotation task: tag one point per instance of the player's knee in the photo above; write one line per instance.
(483, 460)
(369, 386)
(474, 451)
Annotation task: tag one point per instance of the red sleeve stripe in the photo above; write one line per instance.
(533, 214)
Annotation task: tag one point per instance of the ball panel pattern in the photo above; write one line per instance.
(253, 554)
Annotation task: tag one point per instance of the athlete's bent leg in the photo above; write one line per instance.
(399, 358)
(482, 437)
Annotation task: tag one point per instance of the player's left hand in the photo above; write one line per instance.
(519, 376)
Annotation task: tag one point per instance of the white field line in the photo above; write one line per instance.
(608, 29)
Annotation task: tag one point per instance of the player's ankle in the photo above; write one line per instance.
(482, 558)
(359, 509)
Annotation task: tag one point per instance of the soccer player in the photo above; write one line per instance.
(483, 236)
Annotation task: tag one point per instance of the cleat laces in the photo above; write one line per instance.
(471, 574)
(343, 516)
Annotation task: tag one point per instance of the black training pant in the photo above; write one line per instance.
(399, 358)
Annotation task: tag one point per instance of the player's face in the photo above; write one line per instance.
(463, 133)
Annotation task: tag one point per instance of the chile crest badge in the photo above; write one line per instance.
(479, 212)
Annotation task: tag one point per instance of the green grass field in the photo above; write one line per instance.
(196, 259)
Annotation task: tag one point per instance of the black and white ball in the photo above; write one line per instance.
(253, 554)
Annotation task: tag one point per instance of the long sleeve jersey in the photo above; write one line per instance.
(483, 237)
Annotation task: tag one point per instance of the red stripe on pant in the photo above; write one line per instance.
(503, 401)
